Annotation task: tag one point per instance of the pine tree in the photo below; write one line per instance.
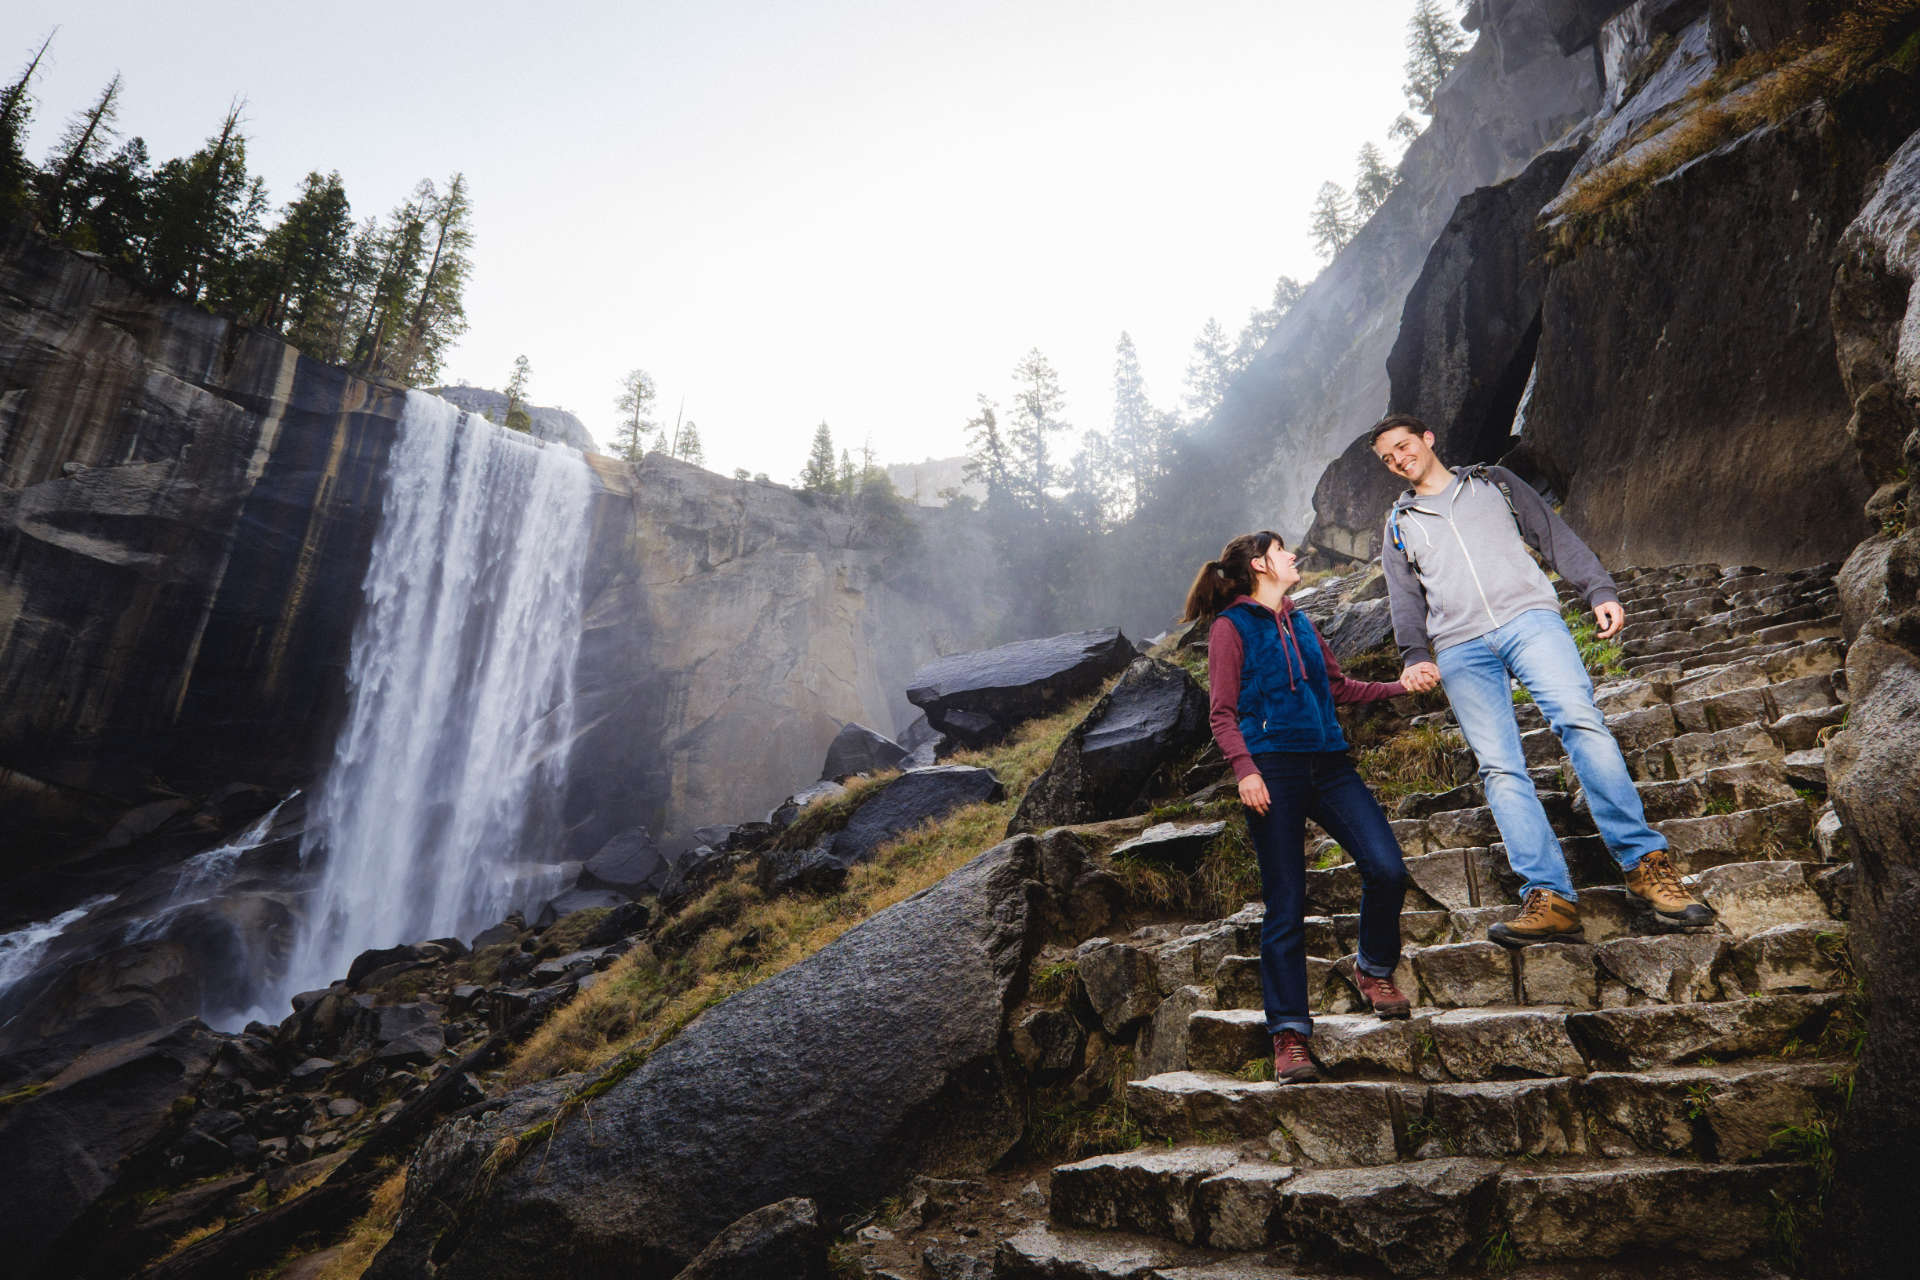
(517, 417)
(394, 255)
(848, 479)
(437, 314)
(1373, 182)
(87, 138)
(306, 265)
(205, 212)
(16, 112)
(112, 202)
(688, 447)
(1037, 405)
(1333, 224)
(988, 462)
(818, 475)
(1209, 369)
(1434, 45)
(634, 403)
(1261, 323)
(1135, 444)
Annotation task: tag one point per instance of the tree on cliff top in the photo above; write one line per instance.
(305, 267)
(1373, 181)
(1332, 222)
(88, 136)
(16, 111)
(516, 416)
(205, 214)
(635, 403)
(687, 446)
(1037, 406)
(1138, 429)
(437, 314)
(818, 476)
(1435, 43)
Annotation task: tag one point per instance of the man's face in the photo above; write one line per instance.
(1404, 453)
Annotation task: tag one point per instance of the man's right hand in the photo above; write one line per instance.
(1253, 794)
(1420, 677)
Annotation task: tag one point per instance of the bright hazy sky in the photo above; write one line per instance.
(862, 212)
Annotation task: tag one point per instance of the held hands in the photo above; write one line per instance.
(1253, 794)
(1420, 677)
(1610, 617)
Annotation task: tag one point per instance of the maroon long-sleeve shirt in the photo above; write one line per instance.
(1225, 654)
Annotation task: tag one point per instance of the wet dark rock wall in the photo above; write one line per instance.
(186, 510)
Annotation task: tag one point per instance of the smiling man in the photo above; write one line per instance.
(1473, 610)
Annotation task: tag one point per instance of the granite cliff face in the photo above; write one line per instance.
(1662, 300)
(739, 627)
(1322, 378)
(1876, 788)
(187, 508)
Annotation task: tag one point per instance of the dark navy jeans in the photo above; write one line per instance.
(1323, 786)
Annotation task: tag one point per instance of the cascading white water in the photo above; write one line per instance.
(438, 812)
(202, 877)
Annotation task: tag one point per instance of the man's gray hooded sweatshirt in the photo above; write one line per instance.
(1457, 568)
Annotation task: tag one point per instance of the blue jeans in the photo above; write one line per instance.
(1323, 786)
(1537, 650)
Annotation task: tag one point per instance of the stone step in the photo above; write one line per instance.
(1801, 955)
(1714, 1113)
(1495, 1043)
(1047, 1252)
(1424, 1217)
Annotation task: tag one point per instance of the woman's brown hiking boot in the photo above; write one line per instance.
(1544, 916)
(1291, 1065)
(1655, 881)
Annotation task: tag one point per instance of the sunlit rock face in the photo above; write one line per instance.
(737, 631)
(1321, 380)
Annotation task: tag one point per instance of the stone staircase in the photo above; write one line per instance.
(1612, 1107)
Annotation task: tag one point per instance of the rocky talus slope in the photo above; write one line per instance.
(1635, 1104)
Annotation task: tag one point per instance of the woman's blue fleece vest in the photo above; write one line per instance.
(1274, 717)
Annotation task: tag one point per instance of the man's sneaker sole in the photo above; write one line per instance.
(1514, 941)
(1388, 1012)
(1697, 916)
(1299, 1075)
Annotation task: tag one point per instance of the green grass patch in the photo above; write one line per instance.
(1420, 759)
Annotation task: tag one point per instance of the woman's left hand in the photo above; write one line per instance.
(1253, 794)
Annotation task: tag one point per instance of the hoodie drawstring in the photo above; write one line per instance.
(1290, 646)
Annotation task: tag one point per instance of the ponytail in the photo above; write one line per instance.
(1220, 582)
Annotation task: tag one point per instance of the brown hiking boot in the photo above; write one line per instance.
(1545, 916)
(1291, 1065)
(1385, 999)
(1656, 882)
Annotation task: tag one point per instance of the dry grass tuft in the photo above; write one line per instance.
(734, 936)
(370, 1232)
(1868, 38)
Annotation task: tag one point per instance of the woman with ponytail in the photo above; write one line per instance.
(1274, 686)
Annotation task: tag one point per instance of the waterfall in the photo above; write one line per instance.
(21, 949)
(440, 809)
(204, 876)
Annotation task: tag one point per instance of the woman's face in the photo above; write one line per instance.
(1279, 564)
